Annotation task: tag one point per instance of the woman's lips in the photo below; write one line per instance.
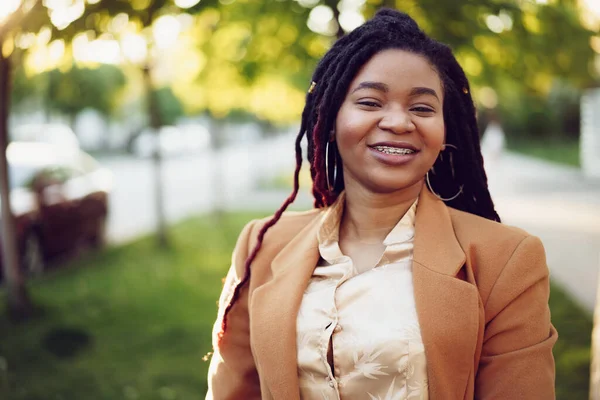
(395, 145)
(393, 155)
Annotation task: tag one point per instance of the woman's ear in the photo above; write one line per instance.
(332, 135)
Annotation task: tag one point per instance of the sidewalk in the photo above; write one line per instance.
(560, 206)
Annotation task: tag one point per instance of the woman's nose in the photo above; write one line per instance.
(397, 122)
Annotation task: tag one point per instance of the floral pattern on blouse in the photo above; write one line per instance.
(358, 336)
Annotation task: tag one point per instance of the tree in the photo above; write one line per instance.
(595, 356)
(169, 106)
(18, 302)
(105, 10)
(79, 88)
(83, 89)
(26, 90)
(29, 17)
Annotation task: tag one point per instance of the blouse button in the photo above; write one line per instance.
(330, 382)
(338, 328)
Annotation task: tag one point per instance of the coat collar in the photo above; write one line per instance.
(273, 310)
(436, 246)
(447, 307)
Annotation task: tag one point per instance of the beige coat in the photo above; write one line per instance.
(481, 292)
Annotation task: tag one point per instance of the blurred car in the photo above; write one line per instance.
(52, 133)
(171, 140)
(59, 199)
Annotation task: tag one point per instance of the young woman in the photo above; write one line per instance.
(401, 283)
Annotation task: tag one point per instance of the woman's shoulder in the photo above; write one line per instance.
(498, 252)
(289, 225)
(473, 229)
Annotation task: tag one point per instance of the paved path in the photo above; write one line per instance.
(560, 206)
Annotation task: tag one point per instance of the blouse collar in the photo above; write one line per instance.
(328, 233)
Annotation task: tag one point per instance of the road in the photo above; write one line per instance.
(553, 202)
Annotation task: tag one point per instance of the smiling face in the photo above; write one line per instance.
(390, 127)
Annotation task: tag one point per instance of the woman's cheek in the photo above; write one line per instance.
(433, 133)
(348, 122)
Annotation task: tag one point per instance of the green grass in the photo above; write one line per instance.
(134, 322)
(572, 351)
(558, 151)
(147, 315)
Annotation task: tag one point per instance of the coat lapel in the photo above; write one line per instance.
(274, 308)
(447, 307)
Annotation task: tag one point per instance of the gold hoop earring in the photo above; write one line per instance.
(448, 145)
(444, 146)
(329, 152)
(460, 190)
(461, 187)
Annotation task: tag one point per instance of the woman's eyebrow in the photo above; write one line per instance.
(418, 91)
(372, 85)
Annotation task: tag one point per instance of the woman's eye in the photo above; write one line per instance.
(422, 109)
(368, 103)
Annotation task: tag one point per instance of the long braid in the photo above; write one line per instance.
(468, 172)
(331, 99)
(389, 29)
(247, 270)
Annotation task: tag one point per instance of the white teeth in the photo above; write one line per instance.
(393, 150)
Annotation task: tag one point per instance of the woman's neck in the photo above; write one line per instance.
(369, 217)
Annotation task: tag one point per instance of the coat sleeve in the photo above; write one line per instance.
(232, 373)
(516, 360)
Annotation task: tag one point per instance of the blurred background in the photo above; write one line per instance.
(138, 137)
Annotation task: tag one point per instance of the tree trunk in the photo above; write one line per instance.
(156, 123)
(18, 302)
(217, 142)
(595, 367)
(72, 121)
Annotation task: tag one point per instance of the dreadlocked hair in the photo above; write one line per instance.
(460, 170)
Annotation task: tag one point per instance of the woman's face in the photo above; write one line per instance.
(390, 127)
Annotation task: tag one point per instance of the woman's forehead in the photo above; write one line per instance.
(396, 68)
